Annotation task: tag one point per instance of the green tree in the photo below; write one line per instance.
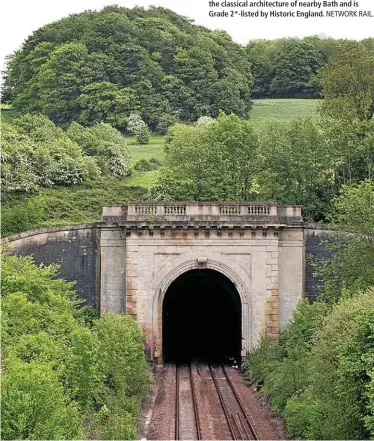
(295, 68)
(298, 167)
(104, 143)
(60, 82)
(209, 162)
(103, 65)
(34, 405)
(352, 262)
(142, 134)
(349, 82)
(105, 102)
(62, 376)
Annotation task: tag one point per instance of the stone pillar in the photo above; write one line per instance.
(272, 276)
(113, 271)
(291, 273)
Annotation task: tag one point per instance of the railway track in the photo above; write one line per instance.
(187, 420)
(187, 424)
(236, 416)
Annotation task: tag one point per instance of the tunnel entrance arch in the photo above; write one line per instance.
(201, 318)
(224, 268)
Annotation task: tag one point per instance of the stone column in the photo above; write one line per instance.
(272, 285)
(113, 271)
(291, 273)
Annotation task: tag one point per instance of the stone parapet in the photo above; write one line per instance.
(210, 214)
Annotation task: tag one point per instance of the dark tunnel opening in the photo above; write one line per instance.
(201, 319)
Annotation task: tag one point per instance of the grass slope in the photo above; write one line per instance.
(283, 109)
(80, 204)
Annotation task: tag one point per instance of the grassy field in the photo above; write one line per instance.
(263, 110)
(80, 204)
(283, 109)
(155, 148)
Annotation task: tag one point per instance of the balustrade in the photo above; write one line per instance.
(145, 209)
(230, 209)
(175, 209)
(258, 210)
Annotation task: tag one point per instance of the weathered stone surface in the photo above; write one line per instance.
(126, 263)
(75, 248)
(245, 242)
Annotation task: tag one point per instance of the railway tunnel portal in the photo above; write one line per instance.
(203, 280)
(201, 318)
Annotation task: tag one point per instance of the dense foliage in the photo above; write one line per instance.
(36, 153)
(298, 162)
(120, 61)
(66, 374)
(208, 161)
(320, 375)
(348, 83)
(287, 67)
(351, 245)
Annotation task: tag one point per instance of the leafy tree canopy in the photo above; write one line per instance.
(287, 67)
(209, 162)
(348, 84)
(103, 66)
(36, 153)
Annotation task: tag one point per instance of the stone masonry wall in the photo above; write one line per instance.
(75, 248)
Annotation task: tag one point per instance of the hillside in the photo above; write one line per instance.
(82, 203)
(119, 61)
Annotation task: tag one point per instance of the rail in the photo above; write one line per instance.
(234, 420)
(194, 404)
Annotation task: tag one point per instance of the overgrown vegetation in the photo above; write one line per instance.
(287, 67)
(66, 373)
(36, 154)
(81, 203)
(121, 61)
(320, 374)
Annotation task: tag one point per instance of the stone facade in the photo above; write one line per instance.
(258, 247)
(126, 262)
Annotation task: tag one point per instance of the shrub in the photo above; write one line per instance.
(147, 164)
(262, 359)
(142, 134)
(106, 145)
(36, 153)
(319, 377)
(26, 216)
(63, 368)
(34, 405)
(204, 120)
(165, 121)
(133, 123)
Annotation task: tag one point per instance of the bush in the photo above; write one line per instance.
(147, 164)
(134, 121)
(204, 120)
(165, 121)
(36, 154)
(106, 145)
(319, 376)
(34, 405)
(262, 359)
(64, 370)
(23, 217)
(142, 134)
